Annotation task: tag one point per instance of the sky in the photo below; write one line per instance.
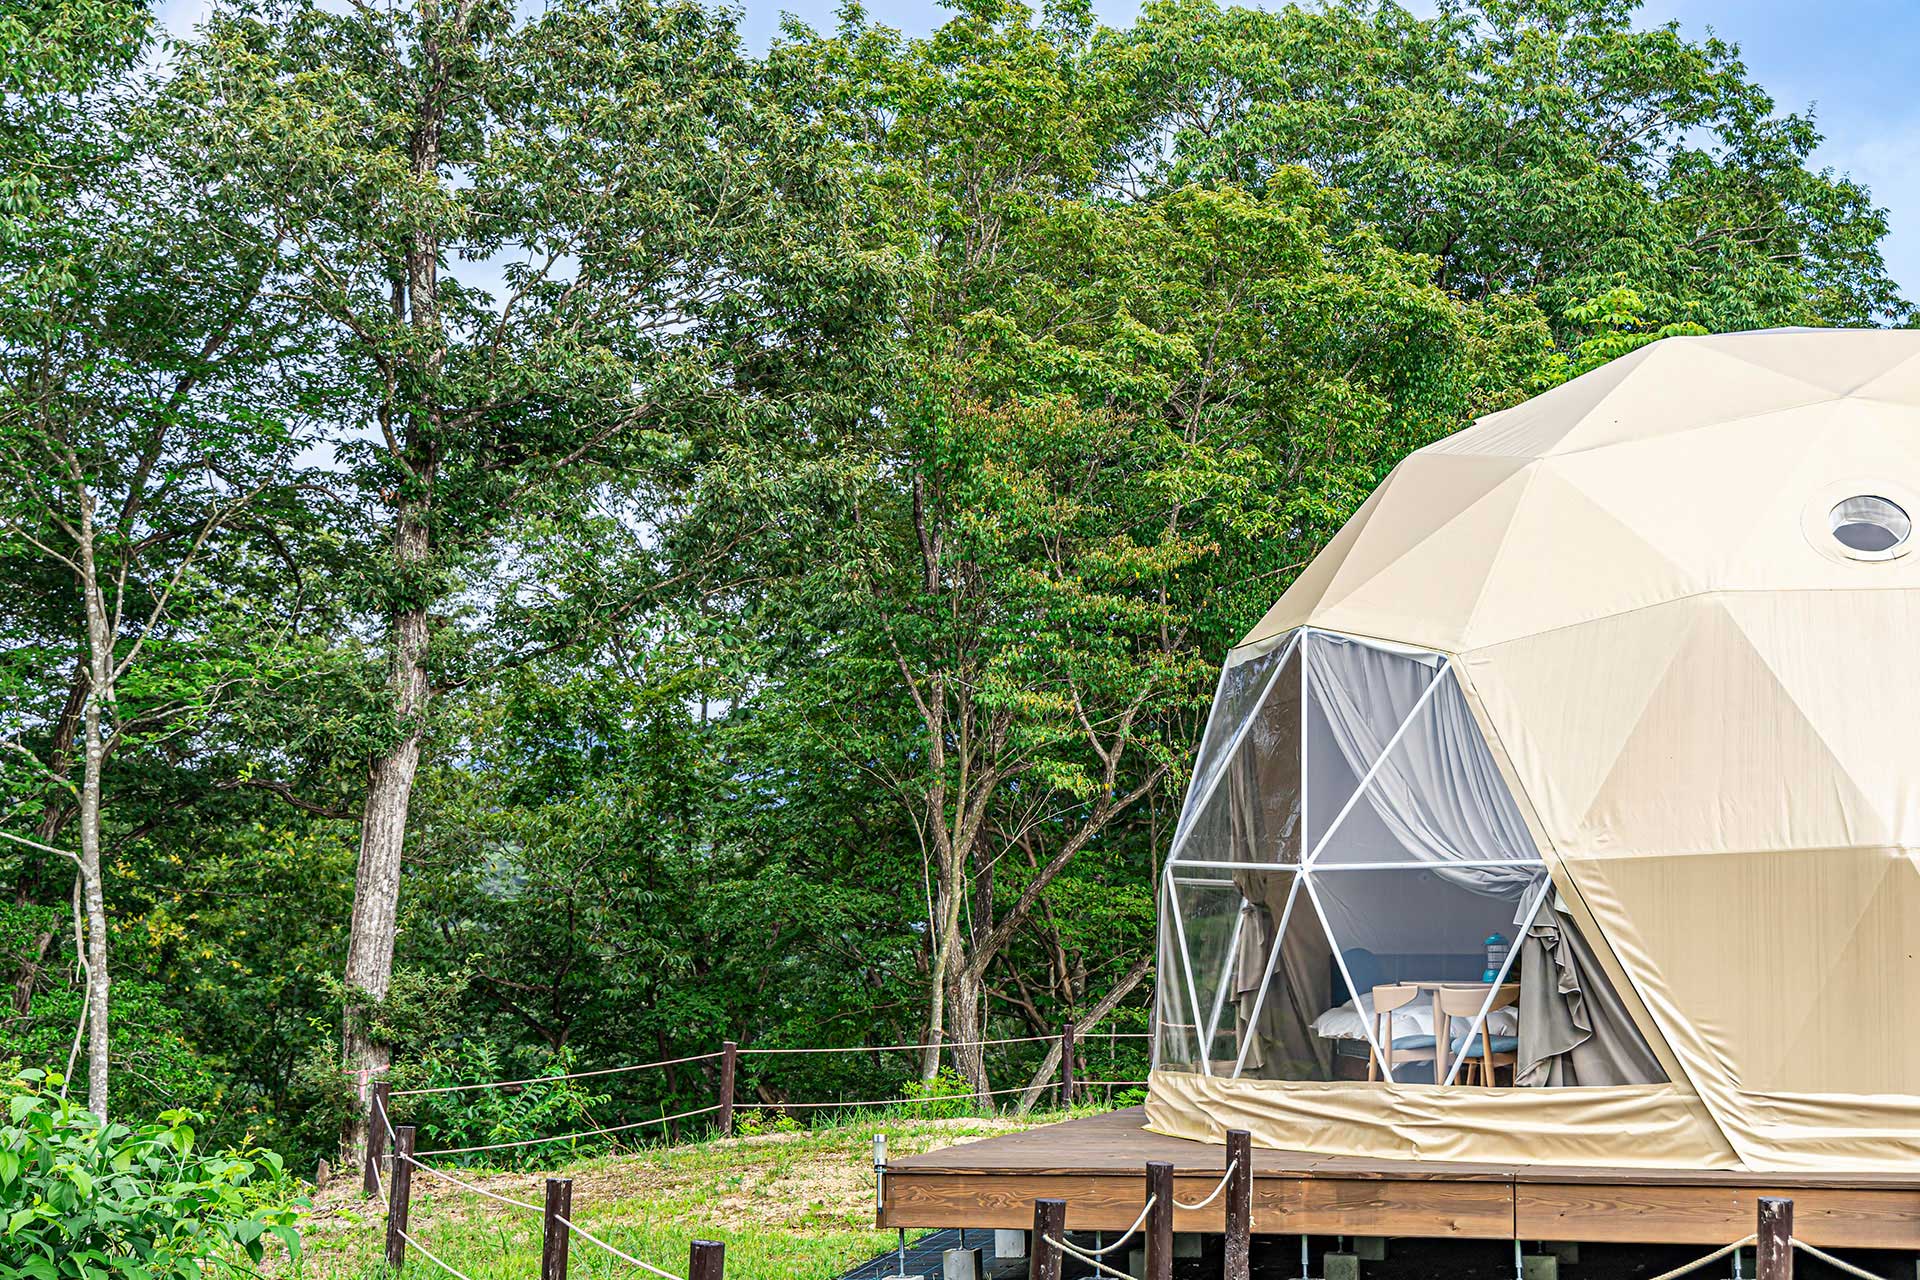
(1850, 62)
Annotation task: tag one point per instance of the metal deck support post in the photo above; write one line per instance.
(399, 1196)
(1236, 1253)
(1775, 1246)
(1049, 1220)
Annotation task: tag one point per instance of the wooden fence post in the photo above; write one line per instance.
(706, 1260)
(1066, 1065)
(376, 1139)
(399, 1196)
(729, 1058)
(1237, 1254)
(554, 1234)
(1049, 1219)
(1775, 1251)
(1160, 1220)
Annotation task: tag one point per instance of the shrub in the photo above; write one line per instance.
(481, 1117)
(82, 1201)
(950, 1095)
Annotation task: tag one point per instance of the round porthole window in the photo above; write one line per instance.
(1868, 527)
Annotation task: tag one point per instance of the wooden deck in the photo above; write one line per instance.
(1096, 1166)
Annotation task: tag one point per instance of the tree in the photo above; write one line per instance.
(668, 246)
(138, 425)
(1116, 424)
(1547, 147)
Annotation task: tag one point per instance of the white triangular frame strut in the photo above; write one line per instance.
(1506, 967)
(1204, 1026)
(1266, 975)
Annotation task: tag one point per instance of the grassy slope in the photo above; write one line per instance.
(794, 1206)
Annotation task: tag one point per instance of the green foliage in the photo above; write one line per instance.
(136, 1201)
(841, 472)
(1617, 322)
(158, 1063)
(481, 1117)
(944, 1097)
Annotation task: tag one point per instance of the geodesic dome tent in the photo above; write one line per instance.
(1602, 717)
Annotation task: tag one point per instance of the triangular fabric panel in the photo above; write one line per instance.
(1564, 559)
(1425, 596)
(1680, 386)
(1754, 775)
(1537, 427)
(1841, 360)
(1428, 491)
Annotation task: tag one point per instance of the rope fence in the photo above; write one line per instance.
(568, 1137)
(1837, 1264)
(706, 1259)
(1225, 1178)
(1088, 1258)
(574, 1228)
(1708, 1260)
(572, 1075)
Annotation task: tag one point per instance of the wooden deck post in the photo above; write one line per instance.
(1237, 1253)
(1049, 1219)
(399, 1196)
(376, 1139)
(1160, 1220)
(554, 1234)
(1775, 1246)
(729, 1059)
(706, 1260)
(1066, 1064)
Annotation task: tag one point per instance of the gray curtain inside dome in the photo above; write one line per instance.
(1574, 1029)
(1438, 790)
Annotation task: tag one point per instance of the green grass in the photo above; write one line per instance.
(788, 1206)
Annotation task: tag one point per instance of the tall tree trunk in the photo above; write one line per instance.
(383, 830)
(946, 956)
(965, 998)
(383, 824)
(93, 743)
(52, 820)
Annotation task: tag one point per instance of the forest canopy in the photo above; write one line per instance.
(539, 535)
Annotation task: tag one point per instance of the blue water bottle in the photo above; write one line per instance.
(1496, 957)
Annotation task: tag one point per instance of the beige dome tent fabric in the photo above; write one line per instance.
(1707, 705)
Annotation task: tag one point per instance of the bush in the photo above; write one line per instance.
(79, 1201)
(481, 1117)
(949, 1093)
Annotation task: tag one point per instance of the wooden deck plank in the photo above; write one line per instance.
(1672, 1214)
(1097, 1165)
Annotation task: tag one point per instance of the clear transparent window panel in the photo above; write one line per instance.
(1348, 832)
(1248, 993)
(1357, 696)
(1426, 927)
(1242, 687)
(1436, 797)
(1250, 811)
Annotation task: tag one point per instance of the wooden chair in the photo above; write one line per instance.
(1486, 1053)
(1386, 999)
